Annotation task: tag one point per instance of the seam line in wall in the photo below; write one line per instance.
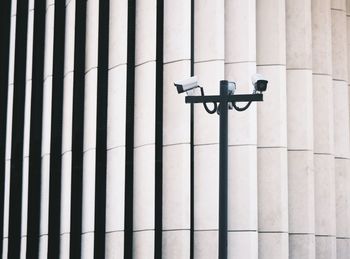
(243, 230)
(67, 73)
(273, 232)
(239, 62)
(68, 3)
(266, 147)
(339, 80)
(297, 234)
(176, 229)
(47, 7)
(242, 145)
(326, 154)
(175, 61)
(112, 148)
(206, 144)
(145, 62)
(341, 158)
(270, 65)
(143, 230)
(89, 149)
(117, 65)
(177, 144)
(325, 236)
(299, 150)
(144, 145)
(321, 74)
(114, 231)
(90, 69)
(301, 68)
(337, 9)
(87, 232)
(209, 60)
(342, 237)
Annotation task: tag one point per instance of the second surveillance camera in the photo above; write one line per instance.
(186, 84)
(259, 82)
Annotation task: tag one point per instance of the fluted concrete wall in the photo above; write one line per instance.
(289, 156)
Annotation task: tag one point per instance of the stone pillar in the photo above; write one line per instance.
(9, 129)
(26, 136)
(90, 111)
(144, 125)
(115, 133)
(67, 129)
(209, 67)
(240, 65)
(272, 131)
(46, 131)
(300, 130)
(176, 131)
(323, 129)
(341, 126)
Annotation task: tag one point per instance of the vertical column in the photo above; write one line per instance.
(176, 131)
(323, 129)
(240, 64)
(300, 130)
(341, 126)
(43, 206)
(16, 171)
(272, 129)
(27, 125)
(5, 27)
(116, 121)
(144, 129)
(67, 129)
(90, 110)
(209, 67)
(9, 129)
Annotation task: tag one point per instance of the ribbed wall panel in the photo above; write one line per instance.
(132, 171)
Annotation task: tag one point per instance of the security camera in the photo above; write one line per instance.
(231, 87)
(259, 82)
(186, 84)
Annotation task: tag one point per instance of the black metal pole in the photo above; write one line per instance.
(223, 170)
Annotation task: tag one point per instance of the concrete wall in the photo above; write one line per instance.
(289, 156)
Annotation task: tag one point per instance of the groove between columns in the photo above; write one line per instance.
(101, 131)
(78, 129)
(129, 138)
(16, 177)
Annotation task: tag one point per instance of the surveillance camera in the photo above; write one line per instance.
(231, 87)
(186, 84)
(259, 82)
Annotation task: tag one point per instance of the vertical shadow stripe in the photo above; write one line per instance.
(192, 141)
(14, 245)
(101, 131)
(78, 129)
(159, 133)
(5, 24)
(56, 132)
(129, 138)
(34, 177)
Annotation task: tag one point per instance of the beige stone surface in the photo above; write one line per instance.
(176, 187)
(302, 246)
(242, 245)
(144, 183)
(143, 244)
(176, 244)
(87, 245)
(343, 248)
(323, 115)
(242, 188)
(64, 246)
(67, 113)
(49, 34)
(91, 46)
(298, 34)
(66, 193)
(114, 245)
(46, 117)
(206, 244)
(115, 189)
(325, 221)
(273, 245)
(177, 31)
(69, 38)
(301, 201)
(272, 189)
(300, 109)
(44, 195)
(43, 246)
(326, 247)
